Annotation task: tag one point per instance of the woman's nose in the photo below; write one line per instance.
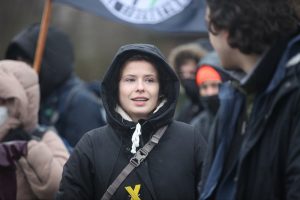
(140, 85)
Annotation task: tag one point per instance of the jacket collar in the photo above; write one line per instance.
(263, 73)
(271, 69)
(284, 81)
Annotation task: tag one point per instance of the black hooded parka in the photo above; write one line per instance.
(171, 170)
(66, 103)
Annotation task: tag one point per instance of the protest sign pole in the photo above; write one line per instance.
(42, 35)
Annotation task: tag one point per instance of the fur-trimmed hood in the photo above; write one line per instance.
(19, 82)
(186, 51)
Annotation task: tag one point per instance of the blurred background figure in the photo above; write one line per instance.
(208, 80)
(184, 60)
(31, 158)
(66, 102)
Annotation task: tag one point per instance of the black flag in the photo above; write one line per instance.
(158, 15)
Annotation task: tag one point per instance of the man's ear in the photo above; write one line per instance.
(226, 34)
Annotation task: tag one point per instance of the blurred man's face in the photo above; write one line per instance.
(209, 88)
(188, 70)
(219, 42)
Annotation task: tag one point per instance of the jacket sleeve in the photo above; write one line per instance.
(43, 165)
(200, 152)
(77, 179)
(83, 115)
(292, 185)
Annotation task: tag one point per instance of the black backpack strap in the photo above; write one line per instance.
(134, 162)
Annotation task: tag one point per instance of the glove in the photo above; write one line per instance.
(17, 134)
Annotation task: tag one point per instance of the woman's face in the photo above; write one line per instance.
(138, 89)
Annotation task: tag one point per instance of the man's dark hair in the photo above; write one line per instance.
(253, 25)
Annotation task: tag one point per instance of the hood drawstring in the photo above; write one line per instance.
(138, 128)
(136, 138)
(136, 134)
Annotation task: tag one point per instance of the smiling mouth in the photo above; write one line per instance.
(139, 99)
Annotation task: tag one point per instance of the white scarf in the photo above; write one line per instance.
(138, 131)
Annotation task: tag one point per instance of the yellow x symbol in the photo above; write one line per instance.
(134, 193)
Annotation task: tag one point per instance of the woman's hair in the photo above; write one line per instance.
(253, 25)
(140, 57)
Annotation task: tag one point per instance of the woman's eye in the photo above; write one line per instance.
(129, 80)
(150, 80)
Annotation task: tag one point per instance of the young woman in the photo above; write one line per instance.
(139, 94)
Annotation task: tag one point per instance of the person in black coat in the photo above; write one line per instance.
(253, 150)
(139, 93)
(66, 102)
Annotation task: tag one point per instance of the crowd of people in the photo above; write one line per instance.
(235, 136)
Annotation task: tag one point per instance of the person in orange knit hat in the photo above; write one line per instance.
(208, 80)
